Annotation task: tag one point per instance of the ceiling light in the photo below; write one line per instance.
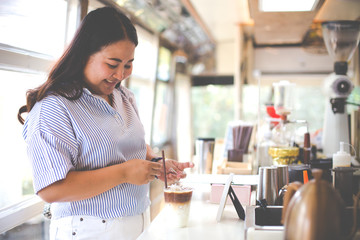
(286, 5)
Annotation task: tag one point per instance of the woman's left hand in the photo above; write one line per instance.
(174, 170)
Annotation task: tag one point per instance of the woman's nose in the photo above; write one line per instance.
(119, 73)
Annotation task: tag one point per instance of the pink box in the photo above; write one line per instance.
(243, 193)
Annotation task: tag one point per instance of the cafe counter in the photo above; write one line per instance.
(202, 219)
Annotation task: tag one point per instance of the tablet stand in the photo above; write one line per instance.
(229, 191)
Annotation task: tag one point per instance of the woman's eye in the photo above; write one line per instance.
(112, 66)
(127, 66)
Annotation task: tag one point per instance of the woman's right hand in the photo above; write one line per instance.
(139, 171)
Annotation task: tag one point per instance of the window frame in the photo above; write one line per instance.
(169, 83)
(20, 213)
(21, 60)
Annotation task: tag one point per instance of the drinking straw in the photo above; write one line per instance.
(305, 176)
(163, 157)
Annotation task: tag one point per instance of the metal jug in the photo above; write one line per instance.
(204, 148)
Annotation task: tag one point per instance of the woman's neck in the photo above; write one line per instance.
(110, 99)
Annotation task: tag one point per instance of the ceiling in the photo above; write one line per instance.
(269, 28)
(197, 26)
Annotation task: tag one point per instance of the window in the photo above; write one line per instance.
(163, 72)
(310, 96)
(304, 97)
(23, 25)
(25, 38)
(213, 107)
(212, 110)
(32, 36)
(163, 100)
(15, 173)
(142, 82)
(162, 114)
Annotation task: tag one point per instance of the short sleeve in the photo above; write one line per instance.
(51, 142)
(50, 159)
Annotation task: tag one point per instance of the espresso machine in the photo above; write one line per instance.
(341, 39)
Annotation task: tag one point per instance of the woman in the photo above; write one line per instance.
(85, 140)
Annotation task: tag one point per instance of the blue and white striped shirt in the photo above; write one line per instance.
(85, 134)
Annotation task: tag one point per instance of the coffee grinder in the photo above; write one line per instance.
(341, 39)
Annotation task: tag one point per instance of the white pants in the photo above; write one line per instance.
(88, 227)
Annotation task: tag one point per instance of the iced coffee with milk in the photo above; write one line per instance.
(177, 205)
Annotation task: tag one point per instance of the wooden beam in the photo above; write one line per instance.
(84, 4)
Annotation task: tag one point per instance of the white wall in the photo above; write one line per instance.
(291, 60)
(225, 57)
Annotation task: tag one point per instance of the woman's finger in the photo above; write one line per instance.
(155, 165)
(152, 178)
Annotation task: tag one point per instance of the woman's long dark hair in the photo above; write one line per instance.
(99, 28)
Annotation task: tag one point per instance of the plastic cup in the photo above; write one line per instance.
(177, 205)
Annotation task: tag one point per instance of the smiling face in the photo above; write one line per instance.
(106, 68)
